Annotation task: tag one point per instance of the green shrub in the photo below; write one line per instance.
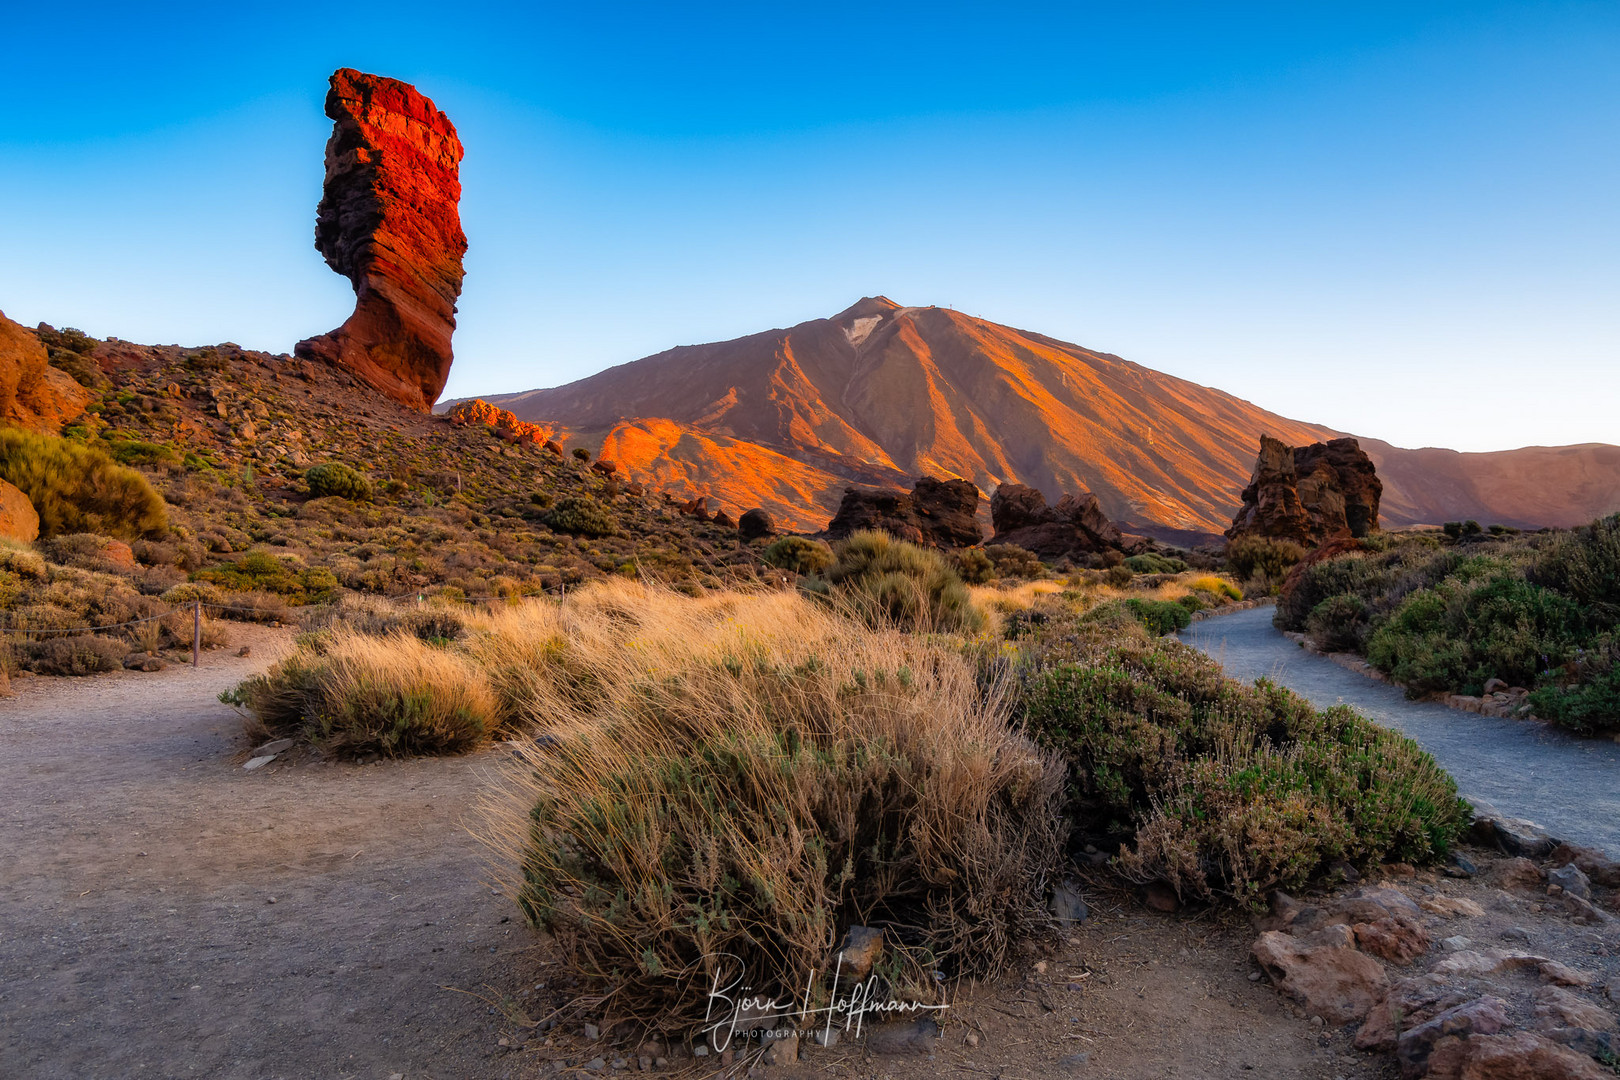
(77, 488)
(1013, 561)
(581, 454)
(82, 654)
(1158, 616)
(1466, 630)
(1339, 623)
(1228, 790)
(1119, 575)
(797, 554)
(1587, 700)
(1263, 559)
(581, 514)
(974, 566)
(1151, 562)
(333, 478)
(259, 571)
(885, 581)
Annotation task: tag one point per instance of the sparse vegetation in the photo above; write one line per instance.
(581, 514)
(1261, 562)
(798, 554)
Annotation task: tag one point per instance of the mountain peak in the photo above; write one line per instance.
(866, 307)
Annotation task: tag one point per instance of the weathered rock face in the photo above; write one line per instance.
(510, 428)
(33, 394)
(935, 513)
(1075, 526)
(388, 221)
(18, 519)
(1309, 494)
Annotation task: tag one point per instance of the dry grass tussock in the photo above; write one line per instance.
(749, 774)
(348, 691)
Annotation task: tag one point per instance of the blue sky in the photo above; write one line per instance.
(1401, 220)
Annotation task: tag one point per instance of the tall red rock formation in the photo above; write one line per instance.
(388, 221)
(1310, 494)
(33, 394)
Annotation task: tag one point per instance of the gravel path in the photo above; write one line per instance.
(164, 913)
(1569, 786)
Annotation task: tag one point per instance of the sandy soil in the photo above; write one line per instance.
(165, 913)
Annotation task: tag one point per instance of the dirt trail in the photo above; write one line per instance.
(164, 913)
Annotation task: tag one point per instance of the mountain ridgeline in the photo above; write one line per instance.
(880, 394)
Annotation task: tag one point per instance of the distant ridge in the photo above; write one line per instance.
(881, 393)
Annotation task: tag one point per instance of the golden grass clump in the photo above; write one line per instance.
(736, 779)
(350, 692)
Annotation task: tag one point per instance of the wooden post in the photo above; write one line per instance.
(196, 635)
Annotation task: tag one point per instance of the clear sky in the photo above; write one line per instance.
(1402, 220)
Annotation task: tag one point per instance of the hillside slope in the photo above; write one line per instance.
(880, 392)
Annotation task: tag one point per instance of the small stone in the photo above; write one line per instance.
(244, 650)
(1455, 944)
(972, 1039)
(660, 1062)
(275, 747)
(596, 1064)
(1040, 967)
(700, 1050)
(1074, 1061)
(1067, 906)
(861, 949)
(1571, 880)
(1254, 976)
(592, 1032)
(1161, 897)
(1516, 933)
(620, 1063)
(258, 762)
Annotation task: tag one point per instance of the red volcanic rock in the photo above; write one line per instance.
(33, 394)
(509, 427)
(1309, 494)
(1075, 526)
(935, 513)
(388, 222)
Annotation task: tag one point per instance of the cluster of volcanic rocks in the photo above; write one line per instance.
(1310, 495)
(944, 514)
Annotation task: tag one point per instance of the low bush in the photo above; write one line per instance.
(1216, 586)
(1584, 697)
(1151, 562)
(798, 555)
(581, 514)
(81, 654)
(1222, 789)
(1013, 561)
(335, 479)
(259, 571)
(353, 693)
(747, 776)
(77, 488)
(1262, 560)
(973, 566)
(884, 581)
(1158, 616)
(1468, 629)
(1339, 624)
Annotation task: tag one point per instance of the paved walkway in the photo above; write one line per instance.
(1525, 769)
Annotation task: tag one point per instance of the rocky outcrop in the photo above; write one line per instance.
(935, 513)
(756, 524)
(18, 519)
(33, 394)
(388, 221)
(1075, 526)
(1309, 494)
(509, 427)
